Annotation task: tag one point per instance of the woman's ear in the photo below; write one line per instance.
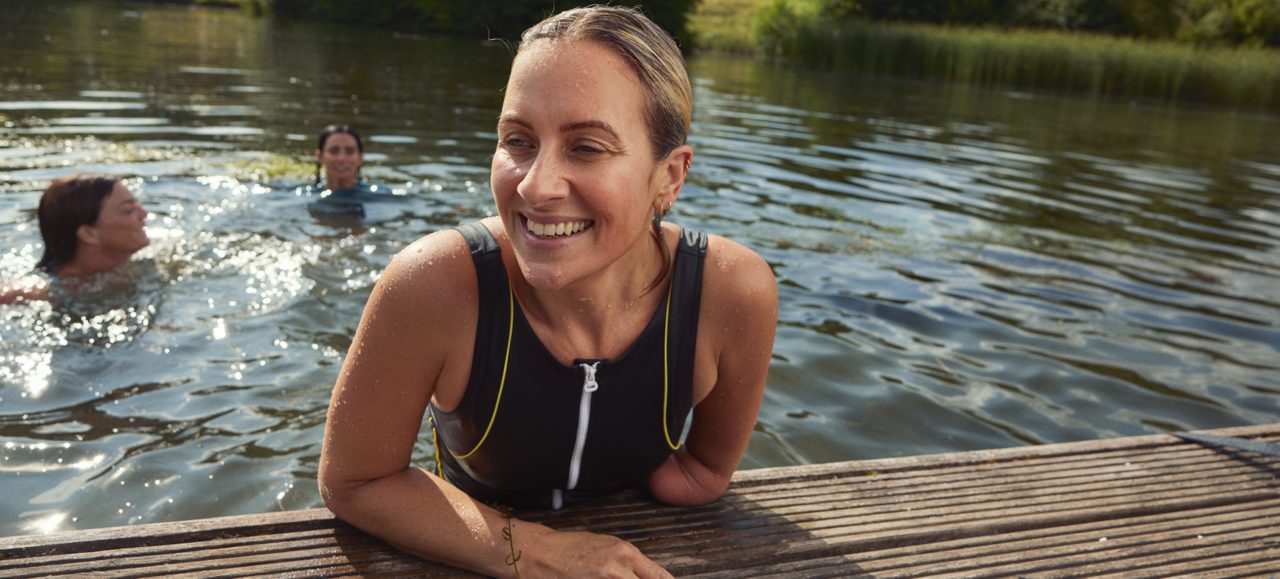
(86, 234)
(673, 171)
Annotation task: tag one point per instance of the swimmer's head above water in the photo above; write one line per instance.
(340, 152)
(90, 224)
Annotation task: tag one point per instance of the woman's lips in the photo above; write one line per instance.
(553, 230)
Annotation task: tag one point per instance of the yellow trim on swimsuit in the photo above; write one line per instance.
(666, 349)
(435, 442)
(511, 321)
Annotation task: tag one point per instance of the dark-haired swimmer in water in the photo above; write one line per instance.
(91, 224)
(340, 153)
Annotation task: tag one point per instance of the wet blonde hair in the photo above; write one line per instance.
(655, 58)
(650, 52)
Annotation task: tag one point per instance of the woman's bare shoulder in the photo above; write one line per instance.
(431, 276)
(737, 276)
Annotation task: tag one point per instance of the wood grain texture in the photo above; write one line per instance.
(1147, 506)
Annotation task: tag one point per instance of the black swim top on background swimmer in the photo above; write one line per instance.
(339, 202)
(532, 432)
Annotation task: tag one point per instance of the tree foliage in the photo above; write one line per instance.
(1230, 22)
(1247, 22)
(504, 19)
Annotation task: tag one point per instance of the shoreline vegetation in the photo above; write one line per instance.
(1202, 55)
(1161, 71)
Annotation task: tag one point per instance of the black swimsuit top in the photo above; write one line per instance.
(531, 432)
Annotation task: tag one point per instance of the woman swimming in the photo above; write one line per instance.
(90, 224)
(340, 154)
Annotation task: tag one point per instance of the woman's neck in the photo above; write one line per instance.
(334, 185)
(89, 262)
(596, 317)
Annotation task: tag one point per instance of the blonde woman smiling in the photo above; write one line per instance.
(560, 346)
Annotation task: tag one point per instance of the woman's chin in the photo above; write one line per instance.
(543, 276)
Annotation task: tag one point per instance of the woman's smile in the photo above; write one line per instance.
(555, 229)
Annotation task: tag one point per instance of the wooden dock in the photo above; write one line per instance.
(1143, 506)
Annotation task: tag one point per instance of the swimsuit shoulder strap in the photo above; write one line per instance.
(478, 237)
(487, 255)
(685, 297)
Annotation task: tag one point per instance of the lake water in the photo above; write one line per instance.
(959, 269)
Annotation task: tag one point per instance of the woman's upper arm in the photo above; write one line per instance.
(22, 291)
(395, 360)
(736, 330)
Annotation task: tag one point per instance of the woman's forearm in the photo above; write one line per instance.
(421, 514)
(684, 480)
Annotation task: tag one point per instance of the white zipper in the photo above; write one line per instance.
(589, 385)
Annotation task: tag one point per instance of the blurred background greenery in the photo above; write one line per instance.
(1223, 52)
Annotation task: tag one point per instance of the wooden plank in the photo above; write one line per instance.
(992, 479)
(800, 543)
(984, 555)
(1057, 451)
(1164, 506)
(1059, 541)
(875, 487)
(814, 519)
(215, 542)
(1092, 552)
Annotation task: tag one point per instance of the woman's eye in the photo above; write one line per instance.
(589, 149)
(515, 142)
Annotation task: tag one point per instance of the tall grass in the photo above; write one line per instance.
(1022, 59)
(1097, 65)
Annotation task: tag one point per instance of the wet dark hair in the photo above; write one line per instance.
(329, 131)
(67, 204)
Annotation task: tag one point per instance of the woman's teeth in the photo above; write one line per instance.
(555, 229)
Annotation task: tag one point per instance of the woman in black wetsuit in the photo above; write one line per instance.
(559, 345)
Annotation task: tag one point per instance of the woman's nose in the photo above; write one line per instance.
(544, 181)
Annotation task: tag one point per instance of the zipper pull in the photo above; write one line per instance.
(589, 383)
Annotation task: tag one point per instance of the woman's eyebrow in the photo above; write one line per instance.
(567, 127)
(601, 125)
(513, 120)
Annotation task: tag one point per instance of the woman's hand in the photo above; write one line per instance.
(548, 553)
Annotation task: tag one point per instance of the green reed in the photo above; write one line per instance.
(1099, 65)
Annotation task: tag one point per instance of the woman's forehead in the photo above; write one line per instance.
(120, 192)
(571, 56)
(341, 140)
(560, 75)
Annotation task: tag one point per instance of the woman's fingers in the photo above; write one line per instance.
(579, 554)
